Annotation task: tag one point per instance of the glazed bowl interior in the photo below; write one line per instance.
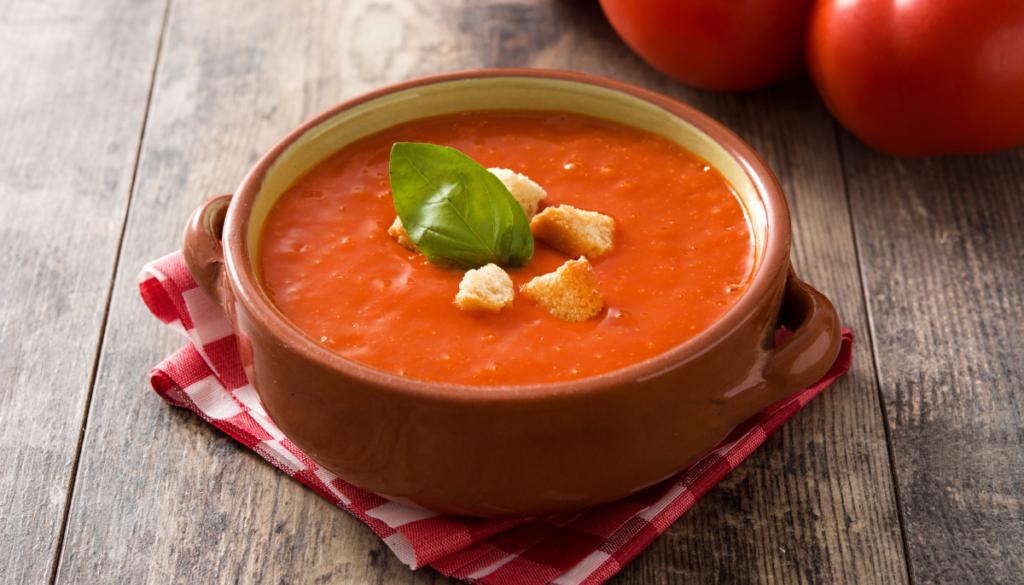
(521, 93)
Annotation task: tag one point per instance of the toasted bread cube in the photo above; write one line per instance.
(525, 191)
(397, 231)
(485, 289)
(569, 293)
(574, 232)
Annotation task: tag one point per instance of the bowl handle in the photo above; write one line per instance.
(201, 247)
(806, 356)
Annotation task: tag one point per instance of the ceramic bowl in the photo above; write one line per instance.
(515, 450)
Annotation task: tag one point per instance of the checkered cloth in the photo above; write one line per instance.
(588, 547)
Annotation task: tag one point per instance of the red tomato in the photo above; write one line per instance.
(724, 45)
(922, 77)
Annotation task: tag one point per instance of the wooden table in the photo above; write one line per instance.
(118, 118)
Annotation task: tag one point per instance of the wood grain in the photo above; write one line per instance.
(815, 504)
(74, 79)
(942, 247)
(161, 496)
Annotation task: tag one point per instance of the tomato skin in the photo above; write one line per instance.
(919, 78)
(723, 45)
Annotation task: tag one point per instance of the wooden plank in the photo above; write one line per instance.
(163, 496)
(74, 81)
(815, 504)
(942, 244)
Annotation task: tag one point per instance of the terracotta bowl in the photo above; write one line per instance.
(516, 450)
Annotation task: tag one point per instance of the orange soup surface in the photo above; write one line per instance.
(683, 253)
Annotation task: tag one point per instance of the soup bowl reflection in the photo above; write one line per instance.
(506, 451)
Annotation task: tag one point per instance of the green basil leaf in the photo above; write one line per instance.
(456, 211)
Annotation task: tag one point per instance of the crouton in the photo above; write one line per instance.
(569, 293)
(397, 231)
(525, 191)
(485, 289)
(574, 232)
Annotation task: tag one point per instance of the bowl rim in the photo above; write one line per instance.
(775, 258)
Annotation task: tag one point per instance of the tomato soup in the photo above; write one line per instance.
(683, 253)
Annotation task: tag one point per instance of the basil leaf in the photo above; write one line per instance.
(456, 211)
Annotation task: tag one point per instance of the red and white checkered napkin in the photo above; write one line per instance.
(206, 377)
